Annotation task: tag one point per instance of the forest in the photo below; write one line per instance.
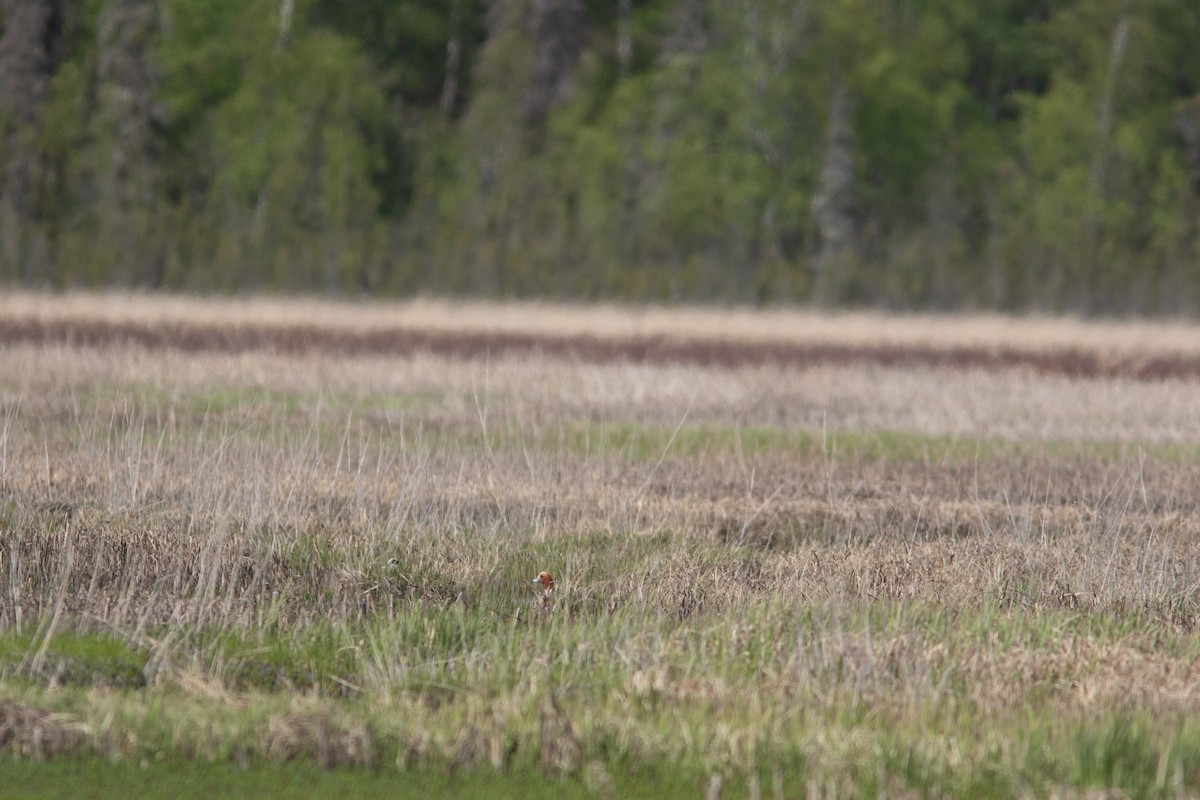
(1012, 155)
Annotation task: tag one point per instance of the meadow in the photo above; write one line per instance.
(286, 547)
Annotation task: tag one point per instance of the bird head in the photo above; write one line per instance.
(546, 580)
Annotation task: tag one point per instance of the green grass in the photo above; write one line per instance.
(862, 686)
(71, 657)
(639, 443)
(636, 442)
(92, 778)
(862, 754)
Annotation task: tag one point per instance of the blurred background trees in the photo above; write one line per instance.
(1016, 154)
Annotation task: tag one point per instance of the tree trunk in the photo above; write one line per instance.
(557, 28)
(129, 114)
(624, 37)
(286, 8)
(833, 206)
(30, 51)
(453, 60)
(1104, 120)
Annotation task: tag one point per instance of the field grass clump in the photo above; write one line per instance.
(244, 567)
(71, 658)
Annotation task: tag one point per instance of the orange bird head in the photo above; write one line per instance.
(546, 580)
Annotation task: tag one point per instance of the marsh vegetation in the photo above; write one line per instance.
(777, 579)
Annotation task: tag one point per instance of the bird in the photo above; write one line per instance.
(547, 582)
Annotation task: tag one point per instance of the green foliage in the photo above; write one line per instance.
(283, 144)
(1013, 154)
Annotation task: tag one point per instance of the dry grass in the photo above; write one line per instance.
(546, 392)
(1107, 337)
(869, 578)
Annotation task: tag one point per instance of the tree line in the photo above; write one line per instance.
(1012, 155)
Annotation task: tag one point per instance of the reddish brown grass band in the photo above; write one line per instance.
(657, 350)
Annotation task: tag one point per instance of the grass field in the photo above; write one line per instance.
(286, 548)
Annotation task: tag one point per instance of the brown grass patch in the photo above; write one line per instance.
(659, 349)
(27, 732)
